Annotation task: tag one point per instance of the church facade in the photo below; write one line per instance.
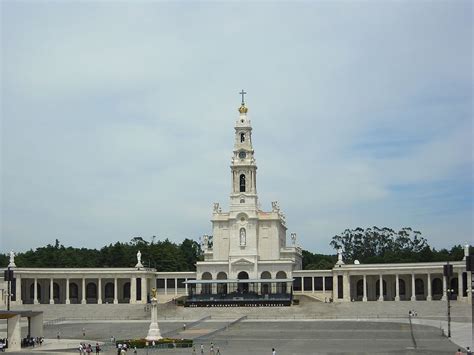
(247, 259)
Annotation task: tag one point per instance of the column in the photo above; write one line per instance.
(346, 287)
(14, 333)
(312, 283)
(37, 325)
(324, 286)
(51, 291)
(186, 286)
(133, 290)
(83, 301)
(18, 299)
(68, 301)
(428, 281)
(99, 291)
(380, 288)
(413, 296)
(364, 291)
(144, 290)
(115, 291)
(335, 292)
(445, 289)
(397, 287)
(166, 286)
(35, 292)
(460, 293)
(176, 286)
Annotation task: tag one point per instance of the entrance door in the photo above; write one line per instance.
(243, 287)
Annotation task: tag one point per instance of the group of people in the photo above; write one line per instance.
(123, 348)
(468, 352)
(30, 341)
(213, 350)
(89, 349)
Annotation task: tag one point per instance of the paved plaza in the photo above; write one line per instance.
(310, 328)
(258, 337)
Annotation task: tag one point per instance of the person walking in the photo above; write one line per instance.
(468, 351)
(273, 351)
(97, 348)
(459, 352)
(202, 349)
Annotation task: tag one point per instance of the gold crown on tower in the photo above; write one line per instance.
(243, 108)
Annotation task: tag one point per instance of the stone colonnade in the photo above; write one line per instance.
(62, 287)
(378, 282)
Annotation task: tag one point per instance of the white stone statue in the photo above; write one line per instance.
(466, 251)
(293, 238)
(12, 259)
(205, 241)
(339, 257)
(139, 260)
(275, 207)
(243, 237)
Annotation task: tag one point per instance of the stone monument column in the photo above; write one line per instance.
(35, 292)
(397, 287)
(428, 281)
(99, 290)
(51, 291)
(413, 293)
(154, 331)
(115, 291)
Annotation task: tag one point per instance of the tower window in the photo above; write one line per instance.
(242, 137)
(242, 183)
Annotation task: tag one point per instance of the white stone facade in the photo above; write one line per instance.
(247, 239)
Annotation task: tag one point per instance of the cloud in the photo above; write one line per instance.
(118, 117)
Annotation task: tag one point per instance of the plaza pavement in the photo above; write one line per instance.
(311, 328)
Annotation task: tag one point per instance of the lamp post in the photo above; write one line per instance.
(448, 272)
(8, 276)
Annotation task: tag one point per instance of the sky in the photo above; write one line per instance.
(117, 117)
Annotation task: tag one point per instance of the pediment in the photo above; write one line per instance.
(242, 261)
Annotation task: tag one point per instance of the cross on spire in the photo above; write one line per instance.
(242, 93)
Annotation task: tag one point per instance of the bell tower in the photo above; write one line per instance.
(243, 165)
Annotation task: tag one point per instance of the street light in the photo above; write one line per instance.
(448, 272)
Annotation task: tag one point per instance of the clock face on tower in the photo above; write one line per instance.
(242, 155)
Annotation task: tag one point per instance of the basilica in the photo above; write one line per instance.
(248, 261)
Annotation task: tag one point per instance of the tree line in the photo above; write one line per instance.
(162, 255)
(368, 246)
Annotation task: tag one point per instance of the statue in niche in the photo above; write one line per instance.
(243, 237)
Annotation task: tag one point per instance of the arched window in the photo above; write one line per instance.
(126, 291)
(109, 290)
(281, 286)
(437, 287)
(402, 288)
(206, 289)
(73, 290)
(360, 288)
(55, 291)
(242, 183)
(242, 137)
(419, 287)
(91, 290)
(222, 288)
(243, 237)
